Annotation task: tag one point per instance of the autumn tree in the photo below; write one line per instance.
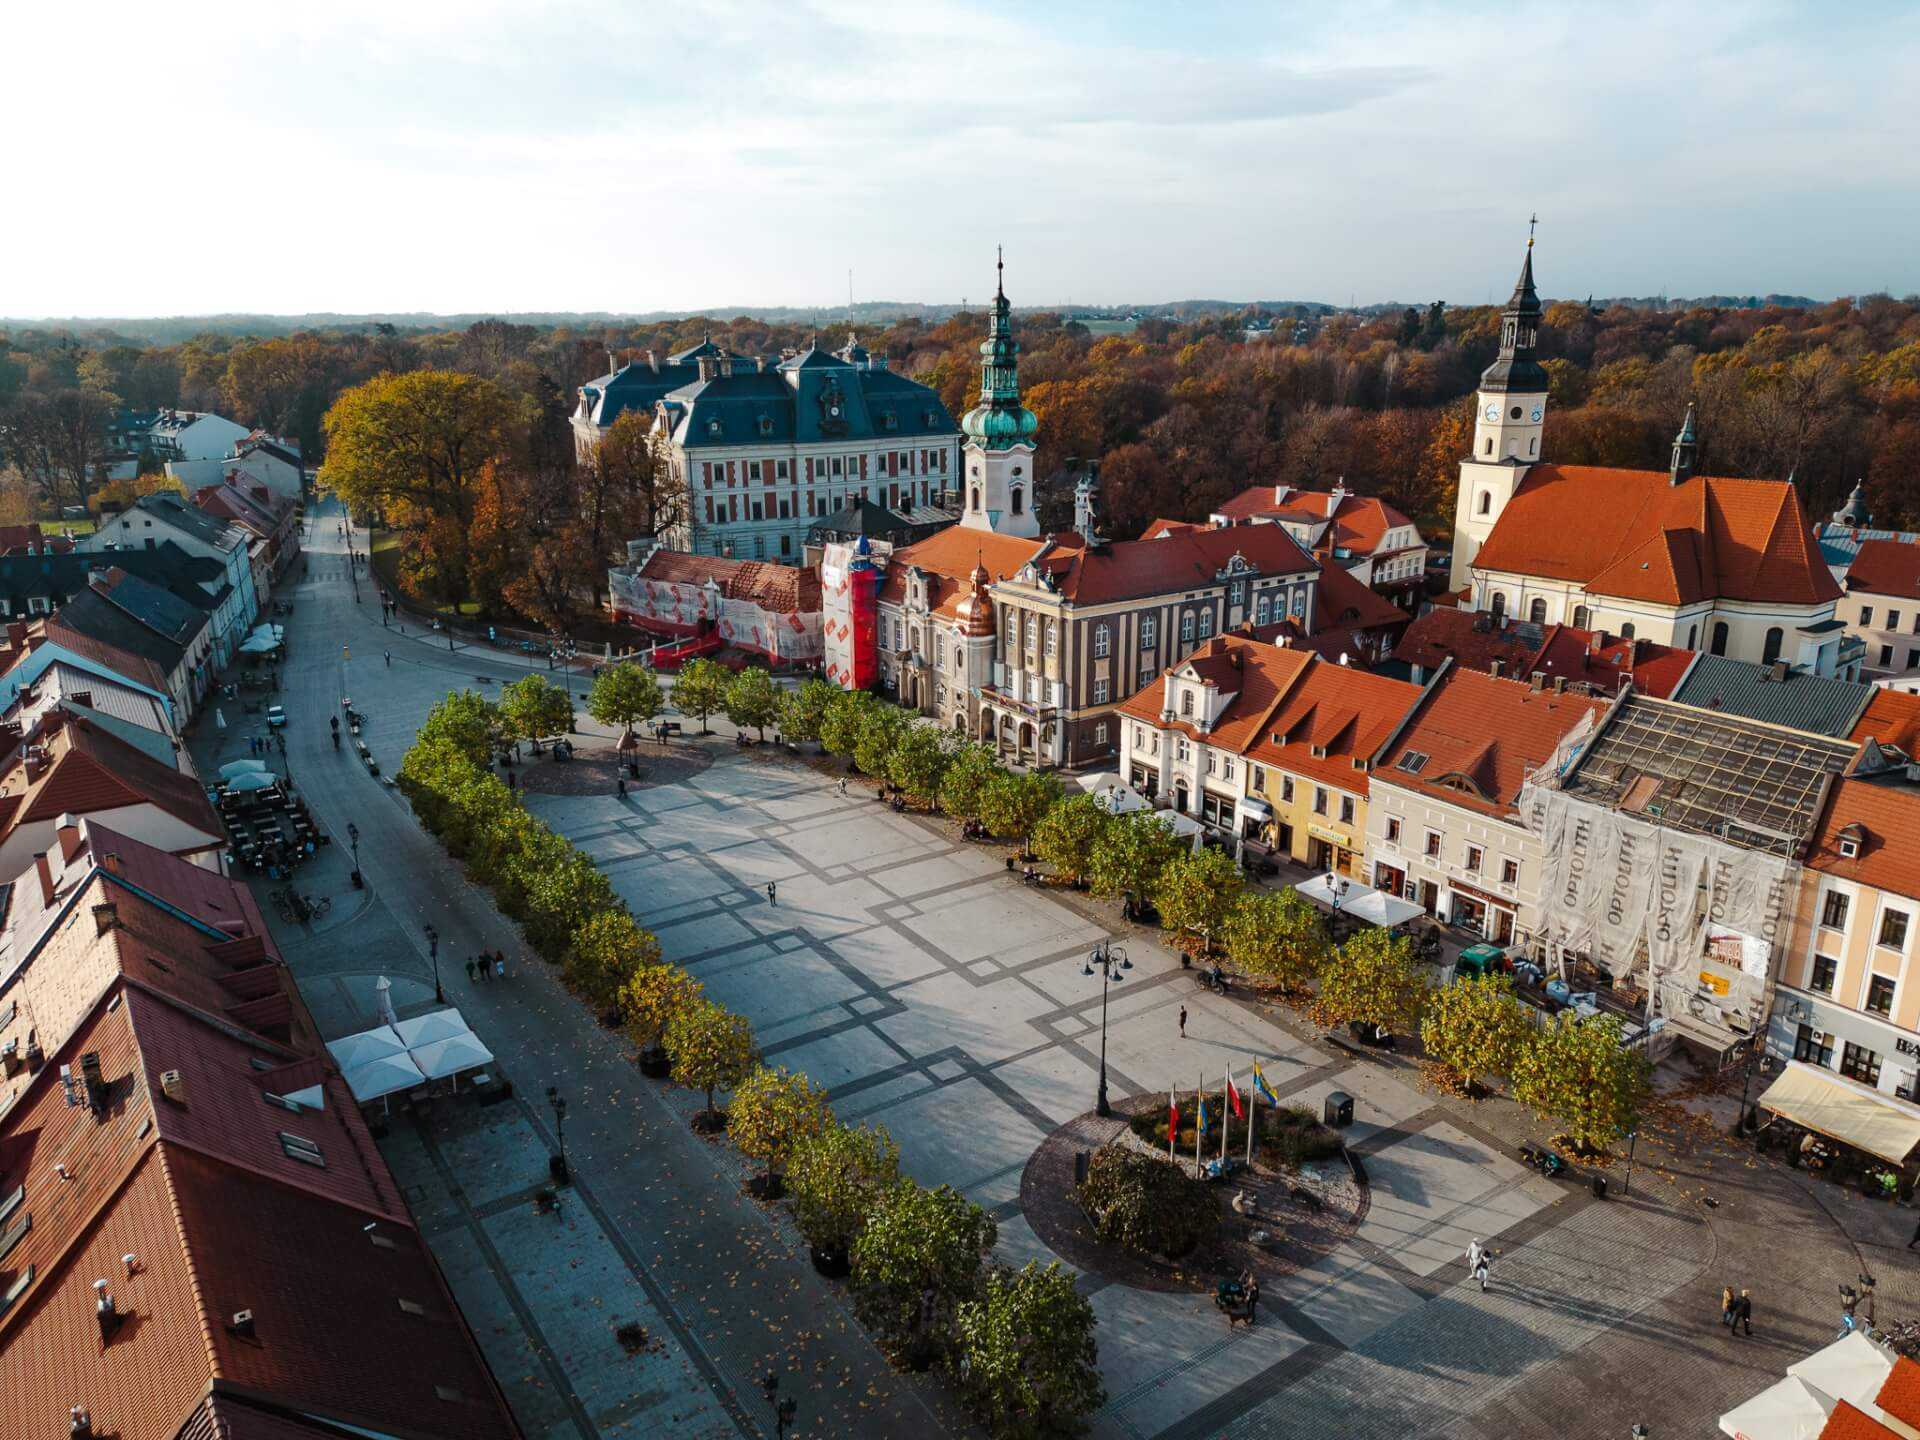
(651, 997)
(1130, 855)
(803, 711)
(772, 1111)
(1195, 893)
(624, 489)
(963, 786)
(881, 729)
(1476, 1027)
(752, 700)
(700, 689)
(711, 1048)
(837, 1175)
(625, 694)
(1012, 804)
(1374, 978)
(917, 1260)
(918, 762)
(1275, 935)
(608, 953)
(59, 442)
(1067, 834)
(533, 707)
(1576, 1073)
(843, 719)
(1025, 1358)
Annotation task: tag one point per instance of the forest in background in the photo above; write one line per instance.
(1181, 413)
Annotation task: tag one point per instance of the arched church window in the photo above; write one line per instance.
(1719, 645)
(1013, 500)
(1486, 502)
(1537, 611)
(1582, 618)
(1533, 447)
(975, 503)
(1770, 650)
(1693, 634)
(1489, 445)
(1498, 605)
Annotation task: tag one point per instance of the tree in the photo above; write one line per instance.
(845, 717)
(1011, 805)
(413, 447)
(711, 1048)
(771, 1112)
(1067, 834)
(700, 690)
(752, 700)
(625, 694)
(533, 706)
(468, 721)
(59, 442)
(882, 728)
(609, 952)
(804, 711)
(651, 998)
(1027, 1364)
(1142, 1200)
(837, 1176)
(1275, 935)
(561, 894)
(1475, 1027)
(969, 771)
(918, 760)
(622, 490)
(1577, 1074)
(918, 1257)
(1195, 892)
(1130, 854)
(1374, 978)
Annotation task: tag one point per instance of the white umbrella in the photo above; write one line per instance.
(451, 1056)
(435, 1025)
(233, 769)
(219, 720)
(351, 1051)
(254, 780)
(384, 1076)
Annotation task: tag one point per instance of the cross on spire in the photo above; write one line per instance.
(1532, 220)
(999, 270)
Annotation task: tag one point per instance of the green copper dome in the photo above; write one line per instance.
(1000, 421)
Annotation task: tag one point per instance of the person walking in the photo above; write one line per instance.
(621, 781)
(1726, 1306)
(1479, 1259)
(1743, 1311)
(1183, 1022)
(389, 655)
(500, 965)
(843, 795)
(772, 893)
(470, 970)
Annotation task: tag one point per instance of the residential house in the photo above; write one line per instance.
(1882, 606)
(272, 520)
(1703, 563)
(1362, 534)
(269, 462)
(638, 385)
(127, 613)
(1444, 824)
(1774, 695)
(128, 712)
(74, 768)
(153, 520)
(191, 435)
(32, 540)
(1591, 662)
(33, 651)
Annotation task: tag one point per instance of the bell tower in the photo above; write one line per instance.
(1509, 414)
(997, 459)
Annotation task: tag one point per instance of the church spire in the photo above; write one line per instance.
(1517, 371)
(999, 421)
(1680, 470)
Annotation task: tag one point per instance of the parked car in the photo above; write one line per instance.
(276, 715)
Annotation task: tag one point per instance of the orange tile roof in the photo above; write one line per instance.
(949, 557)
(1561, 651)
(1885, 567)
(1482, 736)
(1360, 523)
(1849, 1422)
(1632, 534)
(1343, 601)
(1900, 1392)
(1162, 526)
(1888, 817)
(783, 589)
(1893, 718)
(1175, 560)
(1256, 674)
(89, 769)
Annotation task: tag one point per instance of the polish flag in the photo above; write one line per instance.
(1173, 1113)
(1233, 1099)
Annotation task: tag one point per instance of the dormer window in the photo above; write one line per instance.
(766, 425)
(888, 421)
(713, 427)
(1186, 702)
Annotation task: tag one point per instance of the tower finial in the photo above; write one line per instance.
(1532, 220)
(1000, 271)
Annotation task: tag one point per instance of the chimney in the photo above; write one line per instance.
(1538, 681)
(45, 872)
(173, 1085)
(613, 362)
(106, 1312)
(67, 832)
(16, 633)
(1597, 643)
(1777, 672)
(759, 364)
(1279, 494)
(1495, 668)
(105, 917)
(79, 1424)
(706, 367)
(1559, 684)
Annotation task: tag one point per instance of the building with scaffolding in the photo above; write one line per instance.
(1673, 848)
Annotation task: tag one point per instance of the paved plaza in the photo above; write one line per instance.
(906, 971)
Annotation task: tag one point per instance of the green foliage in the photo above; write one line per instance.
(533, 707)
(1131, 853)
(701, 689)
(969, 772)
(1195, 892)
(561, 896)
(711, 1048)
(652, 997)
(1375, 977)
(753, 700)
(626, 695)
(1476, 1027)
(804, 711)
(468, 721)
(883, 727)
(844, 720)
(1012, 804)
(1067, 834)
(1147, 1203)
(607, 953)
(919, 761)
(1275, 935)
(1026, 1361)
(1575, 1073)
(772, 1111)
(918, 1258)
(837, 1176)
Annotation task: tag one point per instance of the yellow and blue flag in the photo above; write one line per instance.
(1260, 1084)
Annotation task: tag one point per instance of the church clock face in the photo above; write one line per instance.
(1493, 412)
(1536, 414)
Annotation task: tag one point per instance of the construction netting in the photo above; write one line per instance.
(688, 608)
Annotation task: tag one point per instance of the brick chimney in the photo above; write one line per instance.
(45, 872)
(67, 832)
(16, 633)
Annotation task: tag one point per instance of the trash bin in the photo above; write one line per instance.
(1339, 1110)
(1079, 1167)
(1599, 1187)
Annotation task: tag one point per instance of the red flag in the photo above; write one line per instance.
(1233, 1099)
(1173, 1114)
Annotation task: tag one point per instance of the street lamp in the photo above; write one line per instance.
(1110, 964)
(433, 953)
(784, 1408)
(557, 1164)
(353, 839)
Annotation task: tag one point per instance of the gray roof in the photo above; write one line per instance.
(159, 610)
(199, 580)
(190, 519)
(97, 617)
(107, 696)
(796, 402)
(1840, 543)
(1816, 704)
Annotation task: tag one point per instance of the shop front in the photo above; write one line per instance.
(1849, 1131)
(1481, 912)
(1863, 1048)
(1331, 850)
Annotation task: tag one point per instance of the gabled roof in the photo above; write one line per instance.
(1633, 534)
(862, 517)
(794, 404)
(1472, 639)
(1888, 837)
(1480, 737)
(89, 769)
(1885, 567)
(1177, 561)
(162, 612)
(1257, 675)
(1900, 1392)
(166, 506)
(92, 615)
(1359, 523)
(1819, 704)
(1893, 718)
(783, 589)
(948, 559)
(1342, 601)
(137, 668)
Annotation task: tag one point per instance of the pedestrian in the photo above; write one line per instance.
(1253, 1301)
(389, 655)
(1480, 1270)
(1726, 1306)
(843, 795)
(770, 894)
(1183, 1022)
(469, 969)
(621, 781)
(1474, 1251)
(1743, 1310)
(499, 964)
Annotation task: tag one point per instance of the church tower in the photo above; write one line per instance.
(997, 460)
(1508, 415)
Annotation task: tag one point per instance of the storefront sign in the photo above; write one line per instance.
(1332, 837)
(1906, 1046)
(1483, 896)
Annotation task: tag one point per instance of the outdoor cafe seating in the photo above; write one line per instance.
(269, 828)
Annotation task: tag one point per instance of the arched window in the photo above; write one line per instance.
(1186, 627)
(1489, 445)
(1693, 637)
(1013, 501)
(1486, 503)
(974, 504)
(1533, 447)
(1719, 645)
(1770, 651)
(1537, 611)
(1626, 631)
(1582, 618)
(1206, 623)
(1499, 605)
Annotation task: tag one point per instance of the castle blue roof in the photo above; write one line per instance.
(811, 398)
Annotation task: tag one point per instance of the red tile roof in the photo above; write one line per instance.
(1893, 718)
(1481, 737)
(782, 589)
(1468, 638)
(1849, 1422)
(1581, 656)
(31, 539)
(1885, 567)
(1177, 560)
(1159, 527)
(1885, 819)
(1341, 600)
(1256, 675)
(89, 769)
(1900, 1392)
(949, 558)
(1360, 523)
(1630, 533)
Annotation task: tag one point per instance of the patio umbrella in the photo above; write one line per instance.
(383, 1001)
(259, 645)
(429, 1028)
(233, 769)
(451, 1056)
(254, 780)
(352, 1051)
(384, 1076)
(219, 720)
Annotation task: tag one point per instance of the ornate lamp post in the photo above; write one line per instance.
(1111, 963)
(557, 1165)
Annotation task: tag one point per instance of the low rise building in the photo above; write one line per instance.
(753, 605)
(1590, 662)
(124, 611)
(1882, 605)
(153, 520)
(1362, 534)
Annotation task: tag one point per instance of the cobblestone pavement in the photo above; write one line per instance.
(901, 968)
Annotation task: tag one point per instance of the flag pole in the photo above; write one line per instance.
(1226, 1114)
(1199, 1118)
(1253, 1110)
(1173, 1122)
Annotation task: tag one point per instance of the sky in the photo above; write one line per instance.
(505, 156)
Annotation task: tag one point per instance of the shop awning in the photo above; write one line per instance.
(1259, 809)
(1841, 1110)
(1362, 902)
